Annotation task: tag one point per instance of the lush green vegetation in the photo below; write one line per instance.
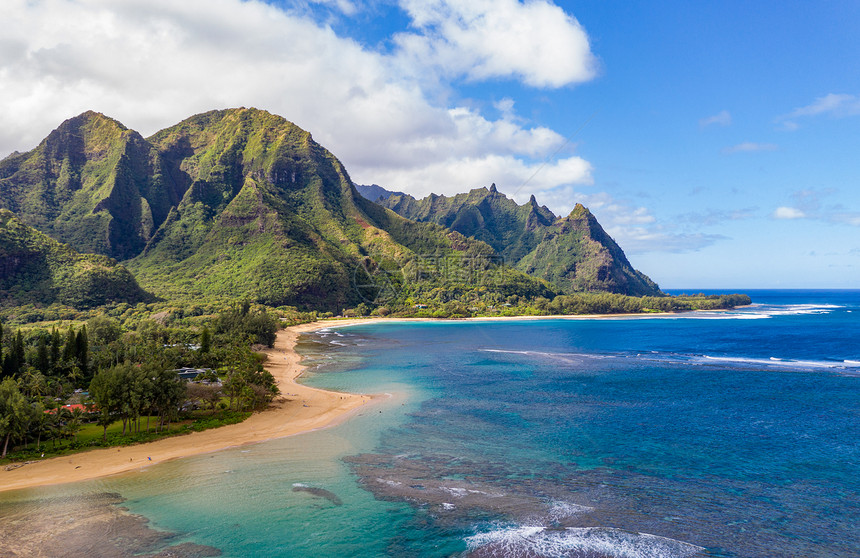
(128, 369)
(93, 184)
(81, 435)
(269, 215)
(242, 205)
(573, 254)
(473, 303)
(36, 268)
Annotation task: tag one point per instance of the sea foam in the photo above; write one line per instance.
(526, 540)
(785, 363)
(769, 363)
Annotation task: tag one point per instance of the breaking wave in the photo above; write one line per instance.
(770, 363)
(785, 363)
(584, 542)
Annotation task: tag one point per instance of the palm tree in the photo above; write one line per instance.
(75, 375)
(75, 423)
(41, 420)
(33, 382)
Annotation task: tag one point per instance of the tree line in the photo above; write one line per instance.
(129, 374)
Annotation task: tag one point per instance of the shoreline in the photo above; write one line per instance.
(346, 322)
(298, 409)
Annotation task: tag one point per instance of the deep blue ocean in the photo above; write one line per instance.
(719, 434)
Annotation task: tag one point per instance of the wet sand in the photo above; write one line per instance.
(95, 525)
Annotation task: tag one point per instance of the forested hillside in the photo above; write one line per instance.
(239, 204)
(573, 253)
(37, 269)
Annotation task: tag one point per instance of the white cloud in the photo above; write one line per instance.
(835, 105)
(809, 204)
(535, 41)
(848, 218)
(643, 241)
(784, 212)
(722, 118)
(506, 108)
(750, 147)
(633, 227)
(513, 177)
(151, 63)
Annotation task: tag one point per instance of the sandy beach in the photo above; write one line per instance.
(298, 409)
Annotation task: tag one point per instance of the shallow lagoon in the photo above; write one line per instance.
(725, 434)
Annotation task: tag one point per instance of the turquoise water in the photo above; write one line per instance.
(720, 434)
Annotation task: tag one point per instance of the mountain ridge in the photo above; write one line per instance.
(92, 183)
(573, 253)
(243, 204)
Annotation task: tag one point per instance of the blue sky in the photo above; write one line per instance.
(715, 141)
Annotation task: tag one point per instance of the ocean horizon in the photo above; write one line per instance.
(707, 434)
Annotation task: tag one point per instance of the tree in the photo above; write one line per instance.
(203, 394)
(69, 349)
(14, 360)
(205, 341)
(74, 423)
(43, 363)
(41, 421)
(241, 322)
(82, 350)
(55, 350)
(105, 391)
(213, 396)
(104, 420)
(15, 413)
(131, 388)
(248, 384)
(151, 331)
(19, 351)
(168, 392)
(75, 375)
(32, 382)
(103, 330)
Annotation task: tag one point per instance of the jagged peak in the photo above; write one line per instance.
(477, 195)
(579, 210)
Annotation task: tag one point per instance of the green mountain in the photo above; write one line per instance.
(239, 204)
(576, 254)
(37, 269)
(573, 253)
(267, 213)
(91, 183)
(242, 204)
